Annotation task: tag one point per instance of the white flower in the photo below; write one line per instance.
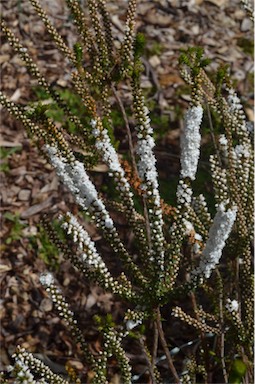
(196, 248)
(198, 237)
(218, 234)
(190, 142)
(108, 222)
(132, 324)
(75, 177)
(110, 157)
(148, 173)
(241, 150)
(47, 279)
(249, 127)
(234, 101)
(184, 193)
(107, 151)
(93, 123)
(232, 305)
(23, 49)
(189, 227)
(223, 140)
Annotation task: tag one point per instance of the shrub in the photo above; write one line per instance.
(188, 254)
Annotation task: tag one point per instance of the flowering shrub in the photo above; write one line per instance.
(220, 311)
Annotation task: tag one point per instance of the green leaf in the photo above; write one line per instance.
(78, 52)
(139, 45)
(9, 216)
(237, 372)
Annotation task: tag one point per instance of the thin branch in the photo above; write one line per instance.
(147, 223)
(222, 337)
(165, 348)
(149, 362)
(155, 344)
(132, 153)
(212, 133)
(124, 115)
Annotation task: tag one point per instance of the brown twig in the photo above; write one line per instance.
(222, 338)
(212, 133)
(124, 115)
(165, 347)
(155, 344)
(149, 362)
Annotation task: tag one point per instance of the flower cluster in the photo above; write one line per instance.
(126, 48)
(200, 207)
(103, 61)
(112, 344)
(109, 156)
(184, 193)
(219, 177)
(134, 318)
(190, 142)
(47, 280)
(75, 177)
(53, 32)
(148, 174)
(91, 257)
(178, 312)
(26, 365)
(218, 234)
(23, 373)
(234, 101)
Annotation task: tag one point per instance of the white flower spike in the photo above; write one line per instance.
(190, 142)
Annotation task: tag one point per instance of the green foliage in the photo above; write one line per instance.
(193, 58)
(247, 45)
(46, 250)
(156, 48)
(237, 372)
(5, 154)
(222, 77)
(139, 45)
(49, 108)
(15, 232)
(78, 53)
(104, 323)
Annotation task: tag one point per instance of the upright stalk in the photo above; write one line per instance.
(165, 347)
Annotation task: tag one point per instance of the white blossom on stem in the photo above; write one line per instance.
(190, 142)
(89, 255)
(184, 193)
(46, 279)
(24, 375)
(148, 173)
(75, 177)
(223, 141)
(242, 151)
(26, 367)
(232, 305)
(110, 157)
(218, 234)
(234, 101)
(104, 147)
